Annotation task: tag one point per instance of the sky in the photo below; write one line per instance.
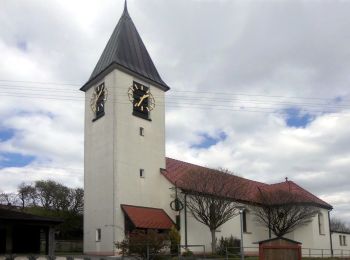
(258, 87)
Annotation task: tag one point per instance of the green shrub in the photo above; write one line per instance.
(138, 241)
(230, 243)
(187, 252)
(175, 240)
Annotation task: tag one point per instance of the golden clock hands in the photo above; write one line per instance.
(143, 97)
(99, 94)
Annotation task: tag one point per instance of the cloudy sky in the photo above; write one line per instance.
(258, 87)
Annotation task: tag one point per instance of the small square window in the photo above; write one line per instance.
(98, 234)
(142, 173)
(142, 131)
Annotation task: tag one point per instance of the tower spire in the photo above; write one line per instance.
(125, 6)
(126, 50)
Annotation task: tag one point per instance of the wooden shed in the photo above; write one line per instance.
(279, 248)
(21, 233)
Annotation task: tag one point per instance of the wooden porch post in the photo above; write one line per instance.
(9, 243)
(51, 240)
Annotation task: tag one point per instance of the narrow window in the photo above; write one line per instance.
(344, 240)
(142, 173)
(244, 216)
(142, 131)
(320, 224)
(98, 234)
(340, 240)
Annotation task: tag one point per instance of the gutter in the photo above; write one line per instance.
(330, 233)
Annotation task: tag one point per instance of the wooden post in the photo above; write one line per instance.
(9, 243)
(51, 241)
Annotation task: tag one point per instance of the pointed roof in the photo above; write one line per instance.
(126, 51)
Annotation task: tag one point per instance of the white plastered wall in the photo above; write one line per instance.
(114, 154)
(98, 176)
(308, 235)
(344, 249)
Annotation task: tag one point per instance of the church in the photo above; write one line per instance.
(128, 180)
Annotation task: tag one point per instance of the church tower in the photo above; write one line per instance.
(124, 141)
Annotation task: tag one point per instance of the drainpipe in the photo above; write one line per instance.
(330, 233)
(185, 208)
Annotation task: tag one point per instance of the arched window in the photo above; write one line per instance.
(321, 223)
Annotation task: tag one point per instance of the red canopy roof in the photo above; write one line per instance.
(150, 218)
(177, 172)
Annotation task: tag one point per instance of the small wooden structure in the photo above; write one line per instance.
(279, 248)
(21, 233)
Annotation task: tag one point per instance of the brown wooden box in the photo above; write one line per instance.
(279, 249)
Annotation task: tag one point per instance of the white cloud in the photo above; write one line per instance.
(272, 50)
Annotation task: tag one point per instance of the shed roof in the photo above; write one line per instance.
(278, 238)
(16, 215)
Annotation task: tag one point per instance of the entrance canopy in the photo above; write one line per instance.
(147, 218)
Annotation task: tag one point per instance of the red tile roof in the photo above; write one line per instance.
(151, 218)
(302, 193)
(179, 172)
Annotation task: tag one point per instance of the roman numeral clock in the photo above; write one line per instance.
(142, 100)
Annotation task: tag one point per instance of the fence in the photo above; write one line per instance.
(64, 246)
(190, 252)
(323, 253)
(306, 252)
(235, 252)
(183, 252)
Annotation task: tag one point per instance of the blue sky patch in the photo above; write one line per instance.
(338, 99)
(6, 134)
(14, 160)
(22, 45)
(294, 118)
(208, 141)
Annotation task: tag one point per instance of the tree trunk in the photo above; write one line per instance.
(213, 241)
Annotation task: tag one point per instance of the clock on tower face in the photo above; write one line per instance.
(142, 100)
(98, 100)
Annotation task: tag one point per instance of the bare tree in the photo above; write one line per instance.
(339, 225)
(27, 195)
(77, 200)
(282, 211)
(8, 199)
(211, 197)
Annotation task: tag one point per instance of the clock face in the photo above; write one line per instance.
(142, 100)
(98, 99)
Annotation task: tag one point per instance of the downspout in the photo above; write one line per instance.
(185, 207)
(330, 233)
(269, 224)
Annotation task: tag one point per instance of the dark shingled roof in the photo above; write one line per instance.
(125, 50)
(16, 215)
